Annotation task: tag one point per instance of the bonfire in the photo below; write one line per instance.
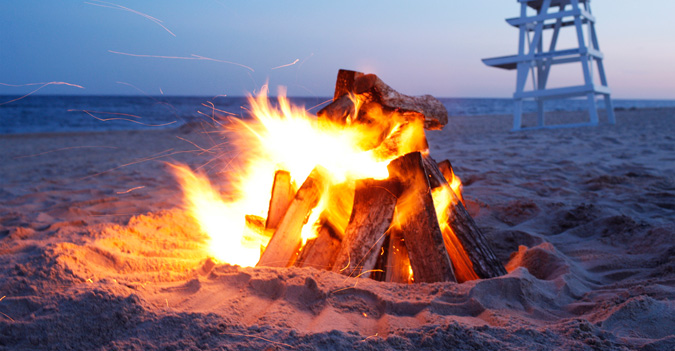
(352, 190)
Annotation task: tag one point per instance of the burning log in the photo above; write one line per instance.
(398, 268)
(287, 238)
(321, 251)
(470, 238)
(368, 88)
(417, 220)
(282, 195)
(373, 211)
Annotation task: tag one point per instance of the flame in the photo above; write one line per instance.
(456, 186)
(283, 137)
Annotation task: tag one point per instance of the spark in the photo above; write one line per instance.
(191, 57)
(10, 318)
(319, 104)
(195, 145)
(91, 113)
(41, 85)
(63, 149)
(149, 158)
(371, 336)
(130, 190)
(120, 7)
(286, 65)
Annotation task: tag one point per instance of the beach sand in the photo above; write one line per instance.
(96, 253)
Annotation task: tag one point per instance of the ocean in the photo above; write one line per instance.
(48, 113)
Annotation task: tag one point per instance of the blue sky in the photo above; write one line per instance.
(417, 47)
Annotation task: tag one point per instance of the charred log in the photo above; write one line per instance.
(473, 243)
(373, 211)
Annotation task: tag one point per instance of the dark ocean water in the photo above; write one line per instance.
(46, 113)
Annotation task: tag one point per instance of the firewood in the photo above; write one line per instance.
(282, 195)
(417, 221)
(372, 213)
(484, 262)
(287, 238)
(370, 88)
(320, 252)
(398, 268)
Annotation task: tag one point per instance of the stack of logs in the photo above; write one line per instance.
(393, 233)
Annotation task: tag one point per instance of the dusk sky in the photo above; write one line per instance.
(213, 47)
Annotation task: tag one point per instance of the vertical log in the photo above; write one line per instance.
(321, 251)
(398, 269)
(372, 213)
(418, 222)
(287, 238)
(282, 195)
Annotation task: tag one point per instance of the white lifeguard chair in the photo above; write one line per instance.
(533, 58)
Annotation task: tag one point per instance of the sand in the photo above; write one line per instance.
(96, 252)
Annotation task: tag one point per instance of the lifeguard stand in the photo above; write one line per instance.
(533, 59)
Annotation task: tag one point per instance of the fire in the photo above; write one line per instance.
(287, 138)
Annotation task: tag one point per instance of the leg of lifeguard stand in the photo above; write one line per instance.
(592, 109)
(517, 113)
(610, 110)
(540, 112)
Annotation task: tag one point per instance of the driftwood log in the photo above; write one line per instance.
(372, 213)
(286, 240)
(371, 91)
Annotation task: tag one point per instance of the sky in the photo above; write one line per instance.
(214, 47)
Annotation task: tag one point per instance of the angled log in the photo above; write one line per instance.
(485, 262)
(286, 240)
(370, 88)
(321, 251)
(473, 243)
(398, 268)
(417, 221)
(372, 213)
(282, 195)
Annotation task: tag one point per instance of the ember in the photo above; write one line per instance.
(354, 191)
